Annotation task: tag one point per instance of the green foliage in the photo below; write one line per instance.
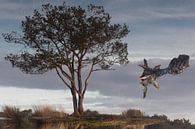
(61, 35)
(132, 113)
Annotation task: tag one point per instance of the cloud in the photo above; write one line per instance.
(125, 83)
(14, 11)
(17, 9)
(122, 82)
(193, 55)
(14, 77)
(140, 11)
(154, 25)
(119, 89)
(130, 12)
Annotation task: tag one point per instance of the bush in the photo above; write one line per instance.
(160, 117)
(47, 111)
(88, 112)
(132, 113)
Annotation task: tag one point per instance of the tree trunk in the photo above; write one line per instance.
(74, 100)
(80, 104)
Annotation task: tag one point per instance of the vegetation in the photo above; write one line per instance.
(11, 112)
(132, 113)
(168, 124)
(48, 112)
(175, 124)
(15, 117)
(88, 112)
(46, 117)
(68, 39)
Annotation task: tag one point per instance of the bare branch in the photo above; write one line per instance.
(72, 86)
(63, 79)
(87, 78)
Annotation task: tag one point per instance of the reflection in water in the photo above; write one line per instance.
(16, 125)
(62, 125)
(13, 125)
(54, 126)
(137, 126)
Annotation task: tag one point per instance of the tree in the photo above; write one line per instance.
(69, 40)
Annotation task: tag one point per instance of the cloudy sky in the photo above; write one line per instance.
(160, 30)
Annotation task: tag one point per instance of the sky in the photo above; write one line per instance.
(159, 31)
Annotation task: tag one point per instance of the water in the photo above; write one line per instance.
(62, 125)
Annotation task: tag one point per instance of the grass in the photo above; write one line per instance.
(48, 112)
(13, 115)
(25, 118)
(91, 119)
(11, 112)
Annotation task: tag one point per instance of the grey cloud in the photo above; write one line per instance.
(130, 11)
(140, 11)
(124, 81)
(148, 21)
(121, 82)
(18, 9)
(15, 10)
(120, 89)
(193, 55)
(14, 77)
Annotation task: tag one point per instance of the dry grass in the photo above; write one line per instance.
(48, 111)
(54, 126)
(11, 112)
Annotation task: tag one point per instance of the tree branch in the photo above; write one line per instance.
(65, 74)
(63, 79)
(80, 85)
(87, 78)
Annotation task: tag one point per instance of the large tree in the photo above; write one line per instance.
(69, 40)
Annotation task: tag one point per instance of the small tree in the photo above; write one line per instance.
(68, 39)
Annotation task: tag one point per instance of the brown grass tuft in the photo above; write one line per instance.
(11, 112)
(47, 111)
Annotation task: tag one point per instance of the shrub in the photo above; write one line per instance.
(88, 112)
(47, 111)
(132, 113)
